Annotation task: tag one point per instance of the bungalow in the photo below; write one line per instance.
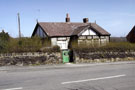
(131, 35)
(62, 33)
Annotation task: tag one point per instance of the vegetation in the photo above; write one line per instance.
(24, 44)
(110, 47)
(4, 38)
(36, 44)
(17, 45)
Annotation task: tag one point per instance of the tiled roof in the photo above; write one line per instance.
(80, 29)
(68, 28)
(99, 29)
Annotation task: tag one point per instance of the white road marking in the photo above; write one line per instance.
(93, 79)
(2, 69)
(14, 88)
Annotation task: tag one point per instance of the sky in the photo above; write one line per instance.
(115, 16)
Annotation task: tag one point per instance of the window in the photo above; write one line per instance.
(95, 37)
(89, 37)
(82, 37)
(62, 39)
(102, 37)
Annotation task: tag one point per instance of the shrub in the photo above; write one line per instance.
(4, 38)
(56, 48)
(110, 47)
(24, 44)
(34, 44)
(50, 49)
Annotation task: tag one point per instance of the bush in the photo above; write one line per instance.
(56, 48)
(4, 38)
(24, 45)
(34, 44)
(110, 47)
(50, 49)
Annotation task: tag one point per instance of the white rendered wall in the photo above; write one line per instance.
(61, 42)
(54, 41)
(89, 32)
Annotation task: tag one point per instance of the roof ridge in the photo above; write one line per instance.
(85, 27)
(66, 22)
(69, 29)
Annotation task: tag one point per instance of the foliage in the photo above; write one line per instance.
(4, 38)
(18, 45)
(50, 49)
(56, 48)
(36, 44)
(110, 47)
(24, 44)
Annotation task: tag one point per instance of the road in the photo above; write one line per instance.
(114, 76)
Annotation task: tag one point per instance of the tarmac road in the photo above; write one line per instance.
(106, 76)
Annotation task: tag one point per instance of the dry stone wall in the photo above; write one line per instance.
(36, 58)
(82, 57)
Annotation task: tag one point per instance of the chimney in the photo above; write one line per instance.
(85, 20)
(67, 18)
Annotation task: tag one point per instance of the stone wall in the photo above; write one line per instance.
(36, 58)
(103, 56)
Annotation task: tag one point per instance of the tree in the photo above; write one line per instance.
(4, 38)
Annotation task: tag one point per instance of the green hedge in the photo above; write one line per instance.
(110, 47)
(34, 44)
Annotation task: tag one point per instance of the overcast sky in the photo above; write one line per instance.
(115, 16)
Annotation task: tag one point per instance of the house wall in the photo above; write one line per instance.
(104, 40)
(131, 35)
(40, 33)
(89, 32)
(91, 37)
(99, 40)
(87, 36)
(62, 42)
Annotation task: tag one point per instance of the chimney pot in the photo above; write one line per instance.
(67, 18)
(67, 15)
(85, 20)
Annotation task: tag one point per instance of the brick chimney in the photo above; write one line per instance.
(85, 20)
(67, 18)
